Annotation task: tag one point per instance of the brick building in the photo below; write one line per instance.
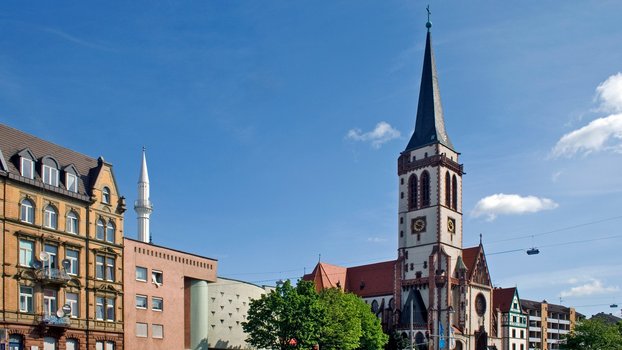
(61, 218)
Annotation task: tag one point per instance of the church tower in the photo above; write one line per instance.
(430, 217)
(143, 205)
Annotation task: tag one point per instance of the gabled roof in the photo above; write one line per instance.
(502, 298)
(474, 257)
(364, 281)
(430, 123)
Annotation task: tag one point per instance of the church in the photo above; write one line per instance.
(436, 293)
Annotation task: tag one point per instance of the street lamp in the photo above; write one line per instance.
(440, 281)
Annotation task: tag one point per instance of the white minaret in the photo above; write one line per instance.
(143, 206)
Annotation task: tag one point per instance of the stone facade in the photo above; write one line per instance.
(61, 218)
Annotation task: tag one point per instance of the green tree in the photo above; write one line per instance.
(284, 314)
(373, 338)
(594, 335)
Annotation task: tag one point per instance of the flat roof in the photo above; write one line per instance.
(168, 248)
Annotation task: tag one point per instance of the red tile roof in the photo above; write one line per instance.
(502, 298)
(469, 256)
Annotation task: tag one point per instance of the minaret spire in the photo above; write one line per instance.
(143, 205)
(430, 125)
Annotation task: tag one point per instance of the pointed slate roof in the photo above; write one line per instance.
(430, 125)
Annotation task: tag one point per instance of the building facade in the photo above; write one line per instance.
(61, 218)
(229, 301)
(548, 323)
(511, 320)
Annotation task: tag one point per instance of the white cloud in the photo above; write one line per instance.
(593, 287)
(510, 204)
(376, 239)
(383, 132)
(555, 176)
(601, 134)
(609, 93)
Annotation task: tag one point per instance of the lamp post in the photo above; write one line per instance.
(440, 281)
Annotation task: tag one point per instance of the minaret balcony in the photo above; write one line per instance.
(142, 203)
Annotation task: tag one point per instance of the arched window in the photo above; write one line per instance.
(99, 231)
(447, 189)
(420, 342)
(106, 195)
(412, 192)
(454, 195)
(374, 306)
(72, 222)
(27, 211)
(425, 189)
(72, 344)
(16, 342)
(110, 232)
(50, 217)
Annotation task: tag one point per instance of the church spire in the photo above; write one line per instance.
(430, 125)
(143, 206)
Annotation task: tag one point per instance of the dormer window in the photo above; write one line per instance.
(106, 195)
(27, 168)
(49, 171)
(72, 182)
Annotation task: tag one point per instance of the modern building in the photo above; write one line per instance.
(548, 323)
(61, 222)
(511, 320)
(229, 301)
(166, 290)
(436, 291)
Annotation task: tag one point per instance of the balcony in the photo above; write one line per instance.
(54, 276)
(55, 321)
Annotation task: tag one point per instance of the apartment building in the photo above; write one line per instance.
(61, 222)
(512, 320)
(547, 323)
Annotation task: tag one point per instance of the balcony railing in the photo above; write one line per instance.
(55, 321)
(53, 275)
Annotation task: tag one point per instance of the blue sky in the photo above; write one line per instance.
(259, 120)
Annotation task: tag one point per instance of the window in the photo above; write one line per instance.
(27, 211)
(25, 299)
(454, 195)
(73, 256)
(141, 274)
(50, 217)
(104, 308)
(50, 175)
(49, 302)
(99, 231)
(100, 345)
(425, 189)
(71, 299)
(522, 334)
(99, 267)
(141, 330)
(16, 342)
(513, 333)
(157, 331)
(52, 254)
(106, 195)
(156, 277)
(72, 222)
(513, 346)
(109, 269)
(447, 189)
(26, 249)
(412, 192)
(157, 304)
(27, 168)
(141, 302)
(110, 232)
(49, 343)
(72, 344)
(71, 181)
(104, 268)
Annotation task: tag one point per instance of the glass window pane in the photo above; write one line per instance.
(157, 303)
(100, 229)
(26, 254)
(157, 331)
(72, 183)
(141, 273)
(99, 308)
(110, 309)
(141, 330)
(110, 232)
(71, 299)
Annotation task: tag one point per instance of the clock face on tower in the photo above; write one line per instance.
(451, 225)
(418, 224)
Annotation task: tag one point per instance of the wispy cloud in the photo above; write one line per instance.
(591, 288)
(510, 204)
(601, 134)
(75, 39)
(376, 239)
(383, 132)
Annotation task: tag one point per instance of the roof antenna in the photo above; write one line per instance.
(319, 258)
(428, 24)
(480, 239)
